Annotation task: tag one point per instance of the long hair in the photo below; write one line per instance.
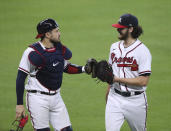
(137, 31)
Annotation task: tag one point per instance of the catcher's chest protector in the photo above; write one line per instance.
(50, 65)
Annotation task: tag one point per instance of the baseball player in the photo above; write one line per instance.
(44, 63)
(131, 63)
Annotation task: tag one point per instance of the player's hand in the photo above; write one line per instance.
(89, 65)
(20, 111)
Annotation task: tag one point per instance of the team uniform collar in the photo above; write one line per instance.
(47, 49)
(42, 45)
(131, 47)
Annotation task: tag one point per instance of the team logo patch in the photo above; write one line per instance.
(125, 62)
(55, 64)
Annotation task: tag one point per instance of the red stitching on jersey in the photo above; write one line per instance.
(24, 70)
(30, 111)
(125, 77)
(119, 68)
(123, 67)
(132, 49)
(146, 112)
(120, 48)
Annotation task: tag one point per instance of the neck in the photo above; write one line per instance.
(47, 43)
(129, 41)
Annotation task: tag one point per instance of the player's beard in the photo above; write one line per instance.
(123, 36)
(54, 42)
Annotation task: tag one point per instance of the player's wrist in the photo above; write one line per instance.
(116, 79)
(83, 69)
(19, 102)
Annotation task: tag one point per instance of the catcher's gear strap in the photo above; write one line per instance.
(66, 53)
(36, 59)
(43, 129)
(21, 76)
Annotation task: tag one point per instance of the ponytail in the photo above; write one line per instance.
(137, 31)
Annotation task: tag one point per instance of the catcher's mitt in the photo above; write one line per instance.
(103, 71)
(89, 65)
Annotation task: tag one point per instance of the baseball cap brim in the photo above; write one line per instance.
(118, 26)
(39, 35)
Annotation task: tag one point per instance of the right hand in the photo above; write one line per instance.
(89, 65)
(20, 111)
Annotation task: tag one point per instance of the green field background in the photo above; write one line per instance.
(85, 27)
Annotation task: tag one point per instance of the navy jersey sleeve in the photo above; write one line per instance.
(21, 76)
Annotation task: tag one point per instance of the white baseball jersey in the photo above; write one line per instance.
(43, 108)
(129, 62)
(27, 67)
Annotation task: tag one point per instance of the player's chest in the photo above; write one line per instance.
(54, 60)
(124, 58)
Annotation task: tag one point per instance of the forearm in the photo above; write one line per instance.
(20, 86)
(138, 81)
(74, 69)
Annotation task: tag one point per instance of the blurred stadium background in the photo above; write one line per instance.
(86, 29)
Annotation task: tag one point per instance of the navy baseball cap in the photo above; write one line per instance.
(45, 26)
(126, 20)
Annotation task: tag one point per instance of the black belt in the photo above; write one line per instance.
(41, 92)
(127, 94)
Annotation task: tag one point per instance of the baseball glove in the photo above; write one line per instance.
(103, 71)
(89, 65)
(18, 125)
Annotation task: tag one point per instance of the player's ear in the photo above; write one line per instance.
(47, 34)
(130, 29)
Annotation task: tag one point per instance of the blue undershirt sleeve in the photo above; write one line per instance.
(21, 76)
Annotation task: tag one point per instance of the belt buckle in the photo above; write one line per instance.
(51, 92)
